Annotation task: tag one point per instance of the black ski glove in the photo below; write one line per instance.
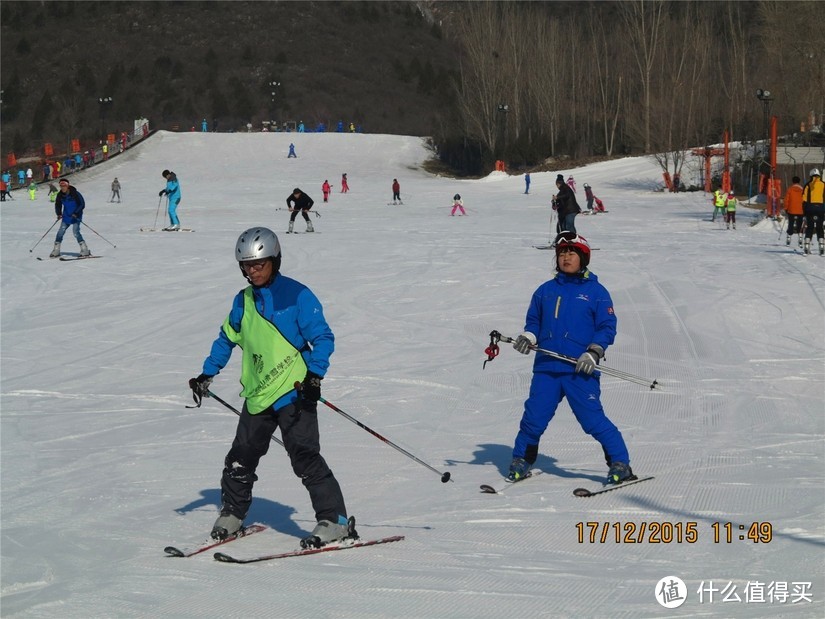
(200, 387)
(311, 388)
(161, 192)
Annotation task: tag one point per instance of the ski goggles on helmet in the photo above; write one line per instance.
(571, 238)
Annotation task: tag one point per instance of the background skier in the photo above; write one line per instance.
(173, 195)
(69, 206)
(297, 202)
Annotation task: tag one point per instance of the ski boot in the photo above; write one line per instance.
(56, 251)
(291, 224)
(327, 532)
(519, 469)
(807, 247)
(788, 241)
(619, 472)
(309, 227)
(226, 525)
(84, 250)
(821, 248)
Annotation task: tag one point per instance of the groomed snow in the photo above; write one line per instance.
(103, 465)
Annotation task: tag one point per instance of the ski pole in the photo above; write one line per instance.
(157, 212)
(495, 336)
(100, 235)
(230, 407)
(44, 236)
(445, 477)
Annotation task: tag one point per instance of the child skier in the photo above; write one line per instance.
(730, 208)
(458, 204)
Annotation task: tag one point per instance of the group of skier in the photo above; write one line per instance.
(286, 346)
(805, 210)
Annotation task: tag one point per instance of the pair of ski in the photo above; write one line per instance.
(580, 492)
(71, 258)
(190, 551)
(166, 230)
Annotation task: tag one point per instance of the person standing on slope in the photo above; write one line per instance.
(173, 195)
(566, 206)
(572, 314)
(326, 189)
(396, 191)
(793, 209)
(68, 206)
(280, 326)
(297, 202)
(458, 204)
(115, 190)
(813, 205)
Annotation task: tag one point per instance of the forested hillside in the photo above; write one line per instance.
(520, 81)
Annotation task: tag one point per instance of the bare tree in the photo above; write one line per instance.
(607, 81)
(643, 20)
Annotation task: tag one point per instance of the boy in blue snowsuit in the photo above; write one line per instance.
(172, 193)
(572, 314)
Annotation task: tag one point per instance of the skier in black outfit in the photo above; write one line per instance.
(566, 207)
(299, 201)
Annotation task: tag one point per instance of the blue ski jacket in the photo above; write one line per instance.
(69, 205)
(567, 314)
(173, 188)
(296, 312)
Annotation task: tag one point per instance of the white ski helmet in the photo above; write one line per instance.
(257, 243)
(815, 172)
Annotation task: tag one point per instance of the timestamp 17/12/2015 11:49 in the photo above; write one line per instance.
(597, 532)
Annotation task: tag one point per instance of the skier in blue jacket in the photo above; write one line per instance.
(279, 324)
(68, 206)
(572, 314)
(172, 193)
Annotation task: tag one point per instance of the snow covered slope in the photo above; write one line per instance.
(103, 466)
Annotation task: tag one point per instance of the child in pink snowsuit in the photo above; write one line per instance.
(326, 190)
(571, 183)
(458, 204)
(344, 185)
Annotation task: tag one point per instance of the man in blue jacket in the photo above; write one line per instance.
(172, 193)
(279, 324)
(69, 206)
(572, 314)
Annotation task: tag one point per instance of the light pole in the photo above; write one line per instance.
(104, 102)
(503, 110)
(273, 85)
(765, 97)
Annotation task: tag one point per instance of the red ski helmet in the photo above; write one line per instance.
(578, 243)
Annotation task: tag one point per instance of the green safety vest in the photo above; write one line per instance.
(719, 199)
(271, 365)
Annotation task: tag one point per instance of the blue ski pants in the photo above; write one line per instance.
(583, 394)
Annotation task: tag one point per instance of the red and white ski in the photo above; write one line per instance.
(191, 550)
(345, 545)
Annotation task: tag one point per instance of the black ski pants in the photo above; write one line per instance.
(299, 431)
(814, 214)
(304, 213)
